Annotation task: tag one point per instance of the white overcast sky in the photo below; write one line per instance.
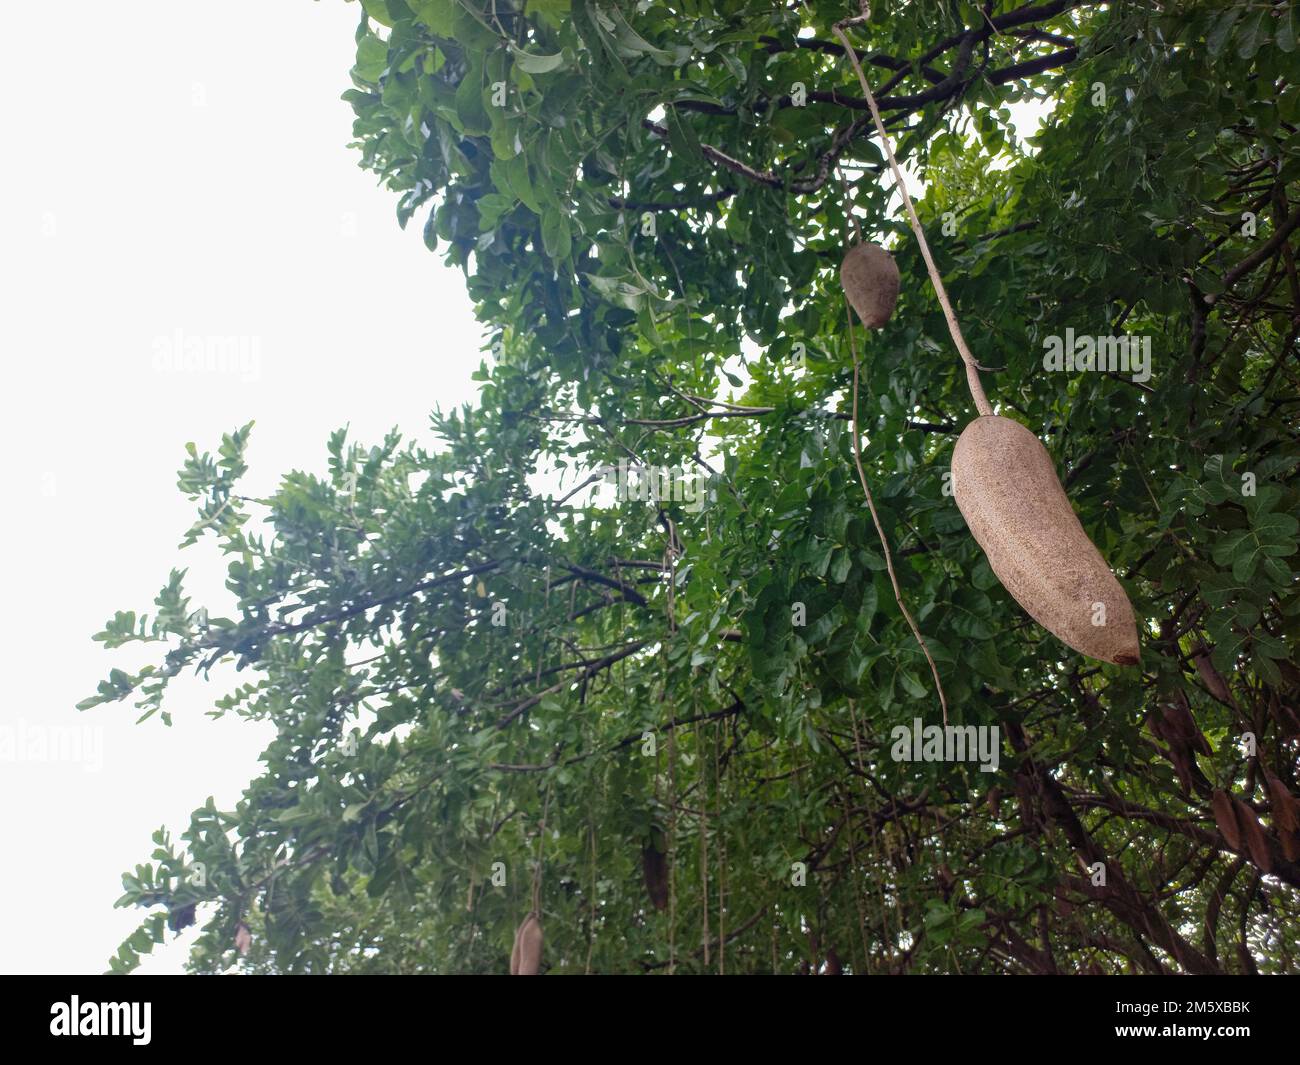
(180, 167)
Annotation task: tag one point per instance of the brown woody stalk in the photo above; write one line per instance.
(972, 367)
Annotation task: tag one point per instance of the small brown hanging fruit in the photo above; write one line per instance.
(1211, 677)
(1008, 492)
(869, 277)
(1182, 725)
(526, 957)
(993, 798)
(1291, 846)
(1286, 809)
(243, 938)
(1286, 816)
(1225, 816)
(655, 866)
(1256, 838)
(1287, 718)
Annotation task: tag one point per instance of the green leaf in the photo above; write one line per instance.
(438, 15)
(470, 108)
(634, 44)
(372, 58)
(516, 176)
(819, 557)
(539, 64)
(1218, 38)
(912, 684)
(1276, 526)
(682, 136)
(1252, 34)
(378, 10)
(841, 565)
(556, 237)
(1286, 29)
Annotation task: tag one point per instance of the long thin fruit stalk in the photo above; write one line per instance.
(880, 532)
(972, 367)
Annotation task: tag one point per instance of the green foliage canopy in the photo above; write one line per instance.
(468, 676)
